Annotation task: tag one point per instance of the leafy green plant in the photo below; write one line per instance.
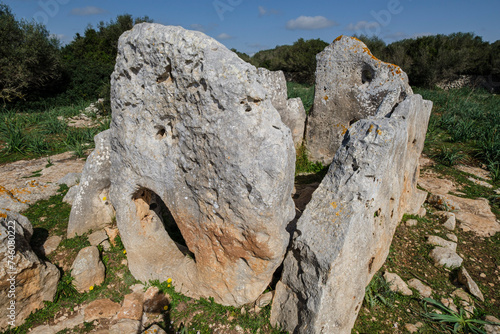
(494, 168)
(13, 133)
(457, 322)
(379, 292)
(303, 165)
(49, 163)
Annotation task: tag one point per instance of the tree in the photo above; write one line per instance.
(30, 60)
(89, 60)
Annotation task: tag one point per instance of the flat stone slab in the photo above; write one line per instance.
(20, 187)
(438, 241)
(445, 257)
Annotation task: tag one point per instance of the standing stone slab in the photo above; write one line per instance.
(91, 208)
(198, 146)
(344, 234)
(291, 111)
(351, 84)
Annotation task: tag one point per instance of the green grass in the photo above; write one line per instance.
(305, 92)
(464, 127)
(30, 134)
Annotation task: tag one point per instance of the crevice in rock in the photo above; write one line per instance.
(166, 77)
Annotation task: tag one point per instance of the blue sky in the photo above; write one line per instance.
(253, 25)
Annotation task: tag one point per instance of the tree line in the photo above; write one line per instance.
(36, 70)
(427, 60)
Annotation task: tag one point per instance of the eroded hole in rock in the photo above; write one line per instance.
(161, 132)
(367, 75)
(150, 208)
(166, 77)
(352, 121)
(370, 264)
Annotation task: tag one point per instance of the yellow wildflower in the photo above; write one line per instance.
(165, 307)
(169, 280)
(91, 288)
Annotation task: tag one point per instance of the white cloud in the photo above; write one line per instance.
(361, 25)
(266, 12)
(89, 10)
(224, 36)
(262, 11)
(310, 23)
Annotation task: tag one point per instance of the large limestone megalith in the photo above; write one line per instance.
(351, 84)
(202, 166)
(344, 234)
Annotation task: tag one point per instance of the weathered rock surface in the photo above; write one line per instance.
(71, 195)
(91, 208)
(351, 84)
(87, 269)
(26, 181)
(344, 234)
(70, 179)
(475, 215)
(132, 307)
(101, 308)
(155, 329)
(493, 328)
(51, 244)
(476, 171)
(125, 326)
(291, 111)
(445, 257)
(448, 219)
(466, 279)
(265, 299)
(97, 237)
(438, 241)
(423, 290)
(198, 145)
(22, 273)
(397, 284)
(435, 185)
